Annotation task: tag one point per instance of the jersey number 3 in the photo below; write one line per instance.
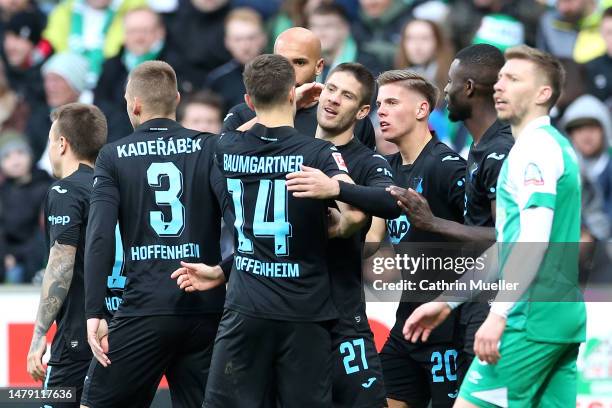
(167, 198)
(279, 229)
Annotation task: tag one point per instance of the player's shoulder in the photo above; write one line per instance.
(442, 154)
(540, 142)
(69, 189)
(240, 112)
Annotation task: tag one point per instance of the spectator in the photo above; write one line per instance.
(589, 126)
(245, 39)
(572, 89)
(377, 31)
(424, 49)
(571, 30)
(144, 41)
(265, 8)
(332, 25)
(196, 41)
(13, 110)
(92, 28)
(24, 53)
(502, 23)
(293, 13)
(600, 69)
(8, 8)
(64, 79)
(202, 111)
(21, 196)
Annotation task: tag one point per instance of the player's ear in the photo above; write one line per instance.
(363, 112)
(544, 94)
(137, 108)
(470, 87)
(63, 145)
(422, 110)
(249, 102)
(319, 67)
(292, 96)
(178, 98)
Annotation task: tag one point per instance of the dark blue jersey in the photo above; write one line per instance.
(66, 216)
(157, 183)
(279, 269)
(483, 165)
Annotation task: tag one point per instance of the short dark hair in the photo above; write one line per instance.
(482, 62)
(550, 66)
(205, 97)
(412, 81)
(268, 79)
(84, 126)
(606, 13)
(154, 82)
(330, 10)
(362, 75)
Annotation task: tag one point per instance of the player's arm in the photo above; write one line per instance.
(451, 178)
(374, 237)
(100, 252)
(351, 219)
(521, 268)
(55, 285)
(417, 209)
(535, 176)
(312, 183)
(192, 277)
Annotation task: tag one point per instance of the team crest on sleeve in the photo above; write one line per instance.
(533, 175)
(340, 161)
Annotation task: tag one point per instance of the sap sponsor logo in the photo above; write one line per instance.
(59, 189)
(398, 228)
(59, 219)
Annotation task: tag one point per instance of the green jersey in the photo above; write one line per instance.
(542, 171)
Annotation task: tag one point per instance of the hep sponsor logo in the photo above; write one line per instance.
(59, 219)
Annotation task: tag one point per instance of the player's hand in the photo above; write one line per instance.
(312, 183)
(486, 342)
(307, 95)
(97, 337)
(192, 277)
(424, 319)
(35, 365)
(415, 206)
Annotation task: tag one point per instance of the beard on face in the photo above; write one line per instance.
(458, 113)
(340, 126)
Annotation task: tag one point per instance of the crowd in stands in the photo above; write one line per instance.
(53, 53)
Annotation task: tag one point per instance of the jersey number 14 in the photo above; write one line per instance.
(279, 229)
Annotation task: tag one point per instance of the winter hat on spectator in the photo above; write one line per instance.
(70, 66)
(26, 25)
(11, 141)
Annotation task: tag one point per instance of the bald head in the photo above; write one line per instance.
(303, 49)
